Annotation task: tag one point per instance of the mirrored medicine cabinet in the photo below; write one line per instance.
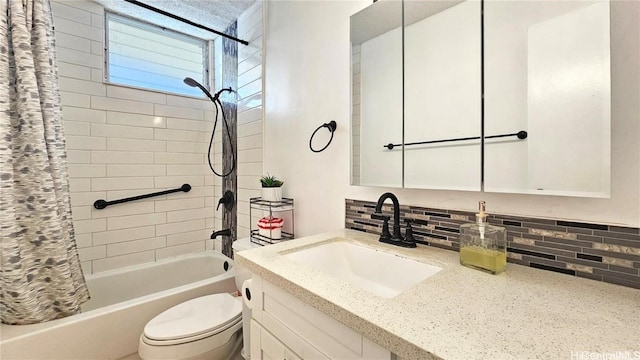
(496, 96)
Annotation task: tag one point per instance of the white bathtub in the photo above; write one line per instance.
(122, 302)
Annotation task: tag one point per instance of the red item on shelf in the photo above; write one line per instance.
(270, 223)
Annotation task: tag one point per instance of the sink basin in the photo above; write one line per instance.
(380, 273)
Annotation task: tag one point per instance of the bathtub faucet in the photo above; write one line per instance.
(225, 232)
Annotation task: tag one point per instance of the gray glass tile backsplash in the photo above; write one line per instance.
(595, 251)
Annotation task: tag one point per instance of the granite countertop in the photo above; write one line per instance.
(462, 313)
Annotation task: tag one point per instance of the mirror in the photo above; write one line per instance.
(442, 88)
(547, 71)
(543, 68)
(376, 42)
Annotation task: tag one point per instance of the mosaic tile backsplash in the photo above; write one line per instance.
(595, 251)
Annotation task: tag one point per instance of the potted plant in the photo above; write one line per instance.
(271, 190)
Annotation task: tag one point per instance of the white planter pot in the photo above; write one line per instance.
(272, 193)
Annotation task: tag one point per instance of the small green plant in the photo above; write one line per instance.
(268, 181)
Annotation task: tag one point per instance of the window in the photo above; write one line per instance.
(147, 56)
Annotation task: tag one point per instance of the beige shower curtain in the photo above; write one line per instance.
(40, 276)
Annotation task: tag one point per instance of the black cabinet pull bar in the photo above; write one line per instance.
(101, 204)
(520, 134)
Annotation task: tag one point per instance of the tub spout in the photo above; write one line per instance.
(225, 232)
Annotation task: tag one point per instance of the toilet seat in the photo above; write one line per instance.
(193, 320)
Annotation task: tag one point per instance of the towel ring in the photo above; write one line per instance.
(331, 125)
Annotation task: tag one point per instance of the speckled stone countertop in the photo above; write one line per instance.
(462, 313)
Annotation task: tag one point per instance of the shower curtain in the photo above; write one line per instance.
(40, 274)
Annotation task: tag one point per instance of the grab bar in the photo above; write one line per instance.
(520, 134)
(101, 204)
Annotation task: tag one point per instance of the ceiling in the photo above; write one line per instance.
(215, 14)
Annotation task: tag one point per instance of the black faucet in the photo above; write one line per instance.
(396, 238)
(225, 232)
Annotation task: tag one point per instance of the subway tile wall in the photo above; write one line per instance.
(124, 141)
(595, 251)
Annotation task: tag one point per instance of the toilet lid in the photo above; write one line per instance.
(194, 317)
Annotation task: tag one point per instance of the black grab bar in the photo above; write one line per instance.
(520, 134)
(101, 204)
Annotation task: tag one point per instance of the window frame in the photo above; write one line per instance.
(145, 25)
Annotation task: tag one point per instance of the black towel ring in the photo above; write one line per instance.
(331, 125)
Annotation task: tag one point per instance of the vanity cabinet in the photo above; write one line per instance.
(284, 327)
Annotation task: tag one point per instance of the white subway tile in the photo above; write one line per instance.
(86, 170)
(178, 158)
(211, 180)
(72, 27)
(61, 10)
(121, 183)
(89, 226)
(117, 262)
(250, 115)
(187, 147)
(121, 92)
(133, 208)
(81, 212)
(78, 156)
(135, 145)
(179, 112)
(209, 245)
(248, 181)
(243, 232)
(253, 168)
(162, 182)
(79, 57)
(179, 135)
(137, 107)
(248, 129)
(78, 185)
(249, 17)
(179, 204)
(196, 192)
(253, 101)
(251, 155)
(250, 89)
(136, 170)
(110, 237)
(136, 246)
(120, 118)
(86, 198)
(192, 214)
(172, 251)
(85, 143)
(123, 222)
(97, 75)
(210, 223)
(250, 142)
(250, 76)
(84, 114)
(255, 44)
(250, 62)
(87, 268)
(188, 237)
(76, 128)
(97, 21)
(84, 5)
(182, 101)
(74, 71)
(193, 125)
(180, 227)
(121, 131)
(81, 86)
(74, 99)
(200, 169)
(72, 42)
(83, 240)
(92, 253)
(97, 48)
(121, 157)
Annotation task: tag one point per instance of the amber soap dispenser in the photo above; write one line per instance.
(483, 246)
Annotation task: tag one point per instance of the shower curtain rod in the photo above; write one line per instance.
(176, 17)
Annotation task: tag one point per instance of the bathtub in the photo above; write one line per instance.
(122, 302)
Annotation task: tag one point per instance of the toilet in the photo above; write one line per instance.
(207, 327)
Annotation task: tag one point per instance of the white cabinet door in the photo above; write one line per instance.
(265, 346)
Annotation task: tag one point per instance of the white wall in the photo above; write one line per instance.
(307, 83)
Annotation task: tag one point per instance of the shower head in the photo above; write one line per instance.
(189, 81)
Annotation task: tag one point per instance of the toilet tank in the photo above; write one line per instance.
(242, 273)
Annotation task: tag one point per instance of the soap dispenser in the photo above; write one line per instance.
(483, 246)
